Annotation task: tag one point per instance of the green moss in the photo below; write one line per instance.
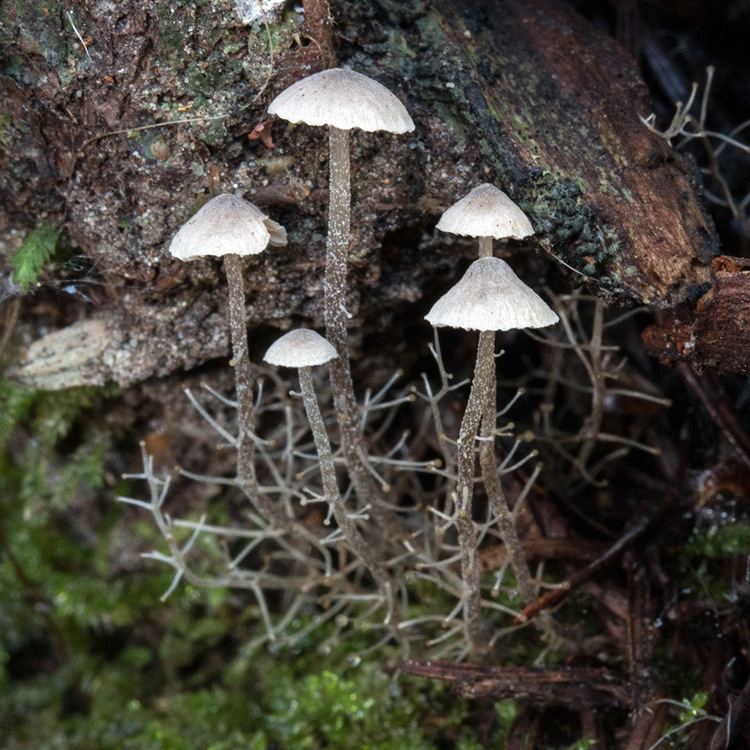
(721, 541)
(330, 710)
(37, 248)
(90, 658)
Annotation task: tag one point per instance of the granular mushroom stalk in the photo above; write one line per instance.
(485, 247)
(242, 372)
(481, 385)
(343, 99)
(494, 488)
(334, 302)
(489, 297)
(304, 349)
(356, 541)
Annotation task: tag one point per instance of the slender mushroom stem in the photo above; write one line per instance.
(494, 489)
(345, 403)
(465, 485)
(356, 541)
(485, 247)
(242, 373)
(490, 476)
(245, 446)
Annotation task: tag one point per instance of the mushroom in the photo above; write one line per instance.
(487, 213)
(304, 349)
(231, 228)
(342, 99)
(489, 297)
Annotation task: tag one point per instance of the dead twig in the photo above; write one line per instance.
(554, 597)
(575, 686)
(494, 557)
(719, 410)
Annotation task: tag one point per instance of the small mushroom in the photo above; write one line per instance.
(343, 100)
(489, 297)
(487, 213)
(304, 349)
(231, 228)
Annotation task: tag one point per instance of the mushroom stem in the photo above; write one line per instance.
(243, 378)
(356, 541)
(494, 489)
(334, 302)
(467, 539)
(242, 374)
(485, 247)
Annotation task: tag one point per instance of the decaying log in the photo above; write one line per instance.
(715, 334)
(124, 348)
(527, 95)
(576, 687)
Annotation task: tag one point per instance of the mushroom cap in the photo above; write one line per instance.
(343, 99)
(300, 348)
(490, 297)
(226, 225)
(486, 212)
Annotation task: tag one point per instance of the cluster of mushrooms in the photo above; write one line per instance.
(489, 298)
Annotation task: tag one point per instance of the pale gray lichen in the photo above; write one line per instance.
(254, 11)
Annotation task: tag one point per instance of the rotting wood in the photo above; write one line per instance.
(534, 99)
(715, 333)
(575, 687)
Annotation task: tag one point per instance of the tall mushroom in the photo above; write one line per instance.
(488, 214)
(231, 228)
(304, 349)
(343, 100)
(488, 298)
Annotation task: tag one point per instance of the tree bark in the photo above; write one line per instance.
(112, 143)
(713, 334)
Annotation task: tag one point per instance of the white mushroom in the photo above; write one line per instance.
(343, 100)
(300, 348)
(486, 212)
(226, 225)
(489, 297)
(304, 349)
(231, 228)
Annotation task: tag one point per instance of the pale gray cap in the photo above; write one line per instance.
(343, 99)
(486, 212)
(226, 225)
(300, 348)
(490, 297)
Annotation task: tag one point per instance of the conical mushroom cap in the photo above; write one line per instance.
(344, 99)
(486, 212)
(300, 348)
(226, 225)
(490, 297)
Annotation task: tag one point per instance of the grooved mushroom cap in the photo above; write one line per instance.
(343, 99)
(490, 297)
(226, 225)
(300, 348)
(486, 212)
